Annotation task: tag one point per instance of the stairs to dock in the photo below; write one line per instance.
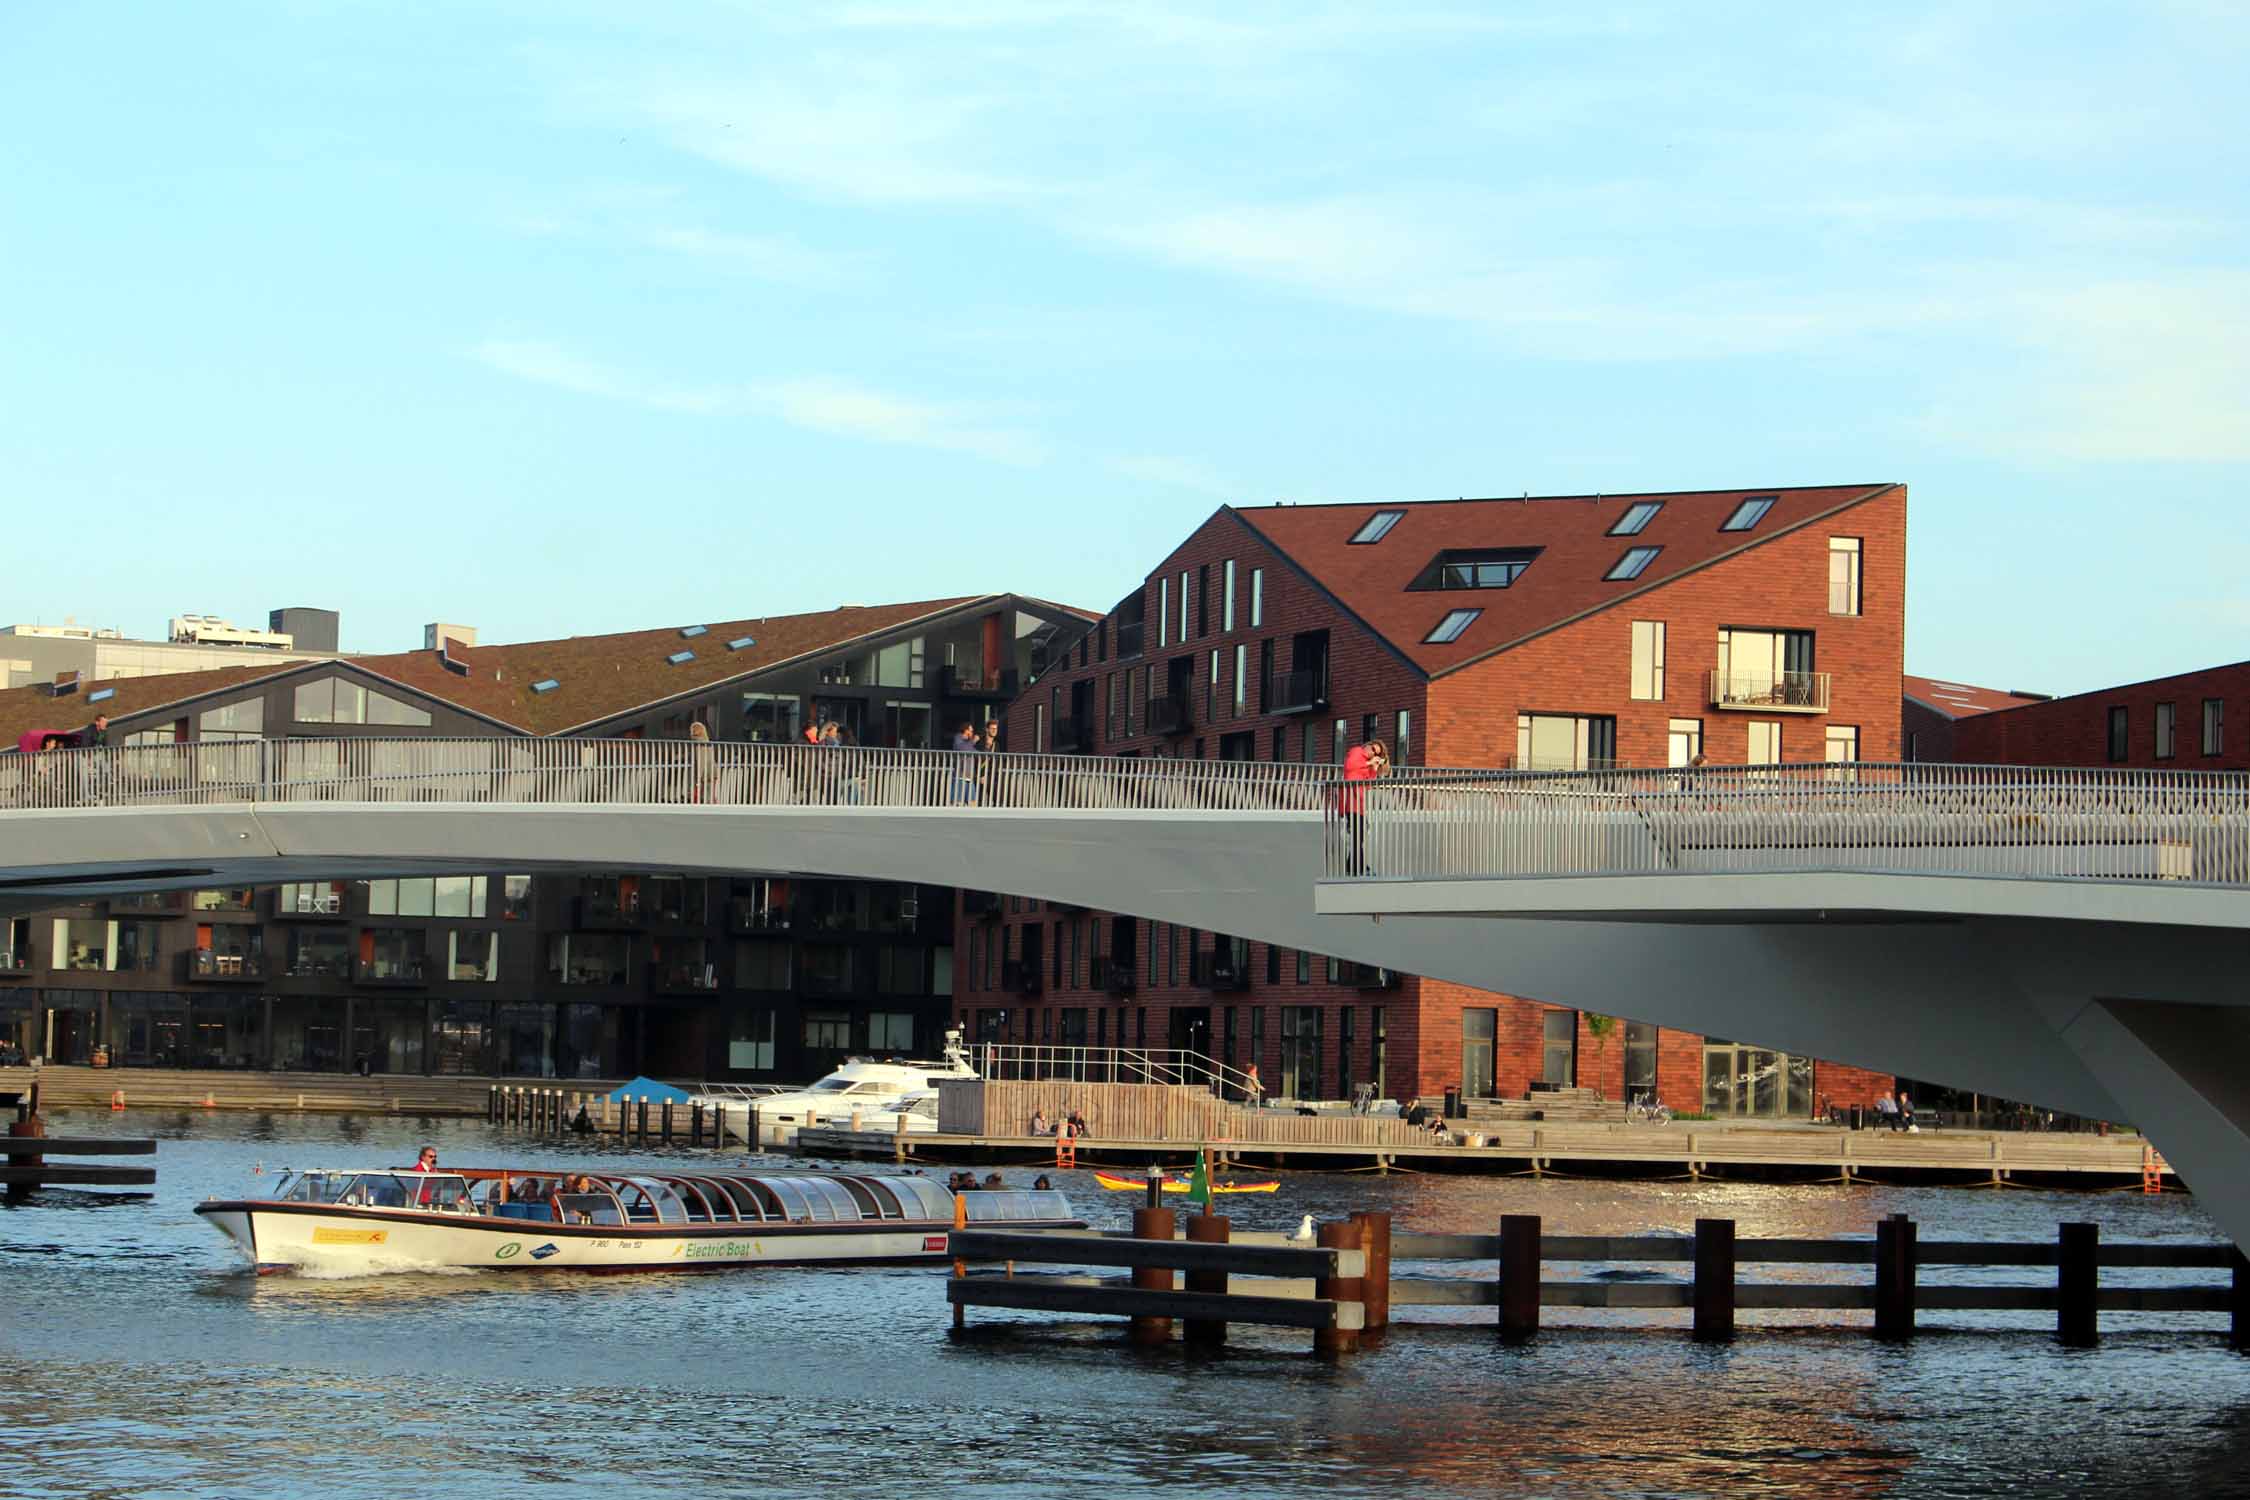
(1549, 1105)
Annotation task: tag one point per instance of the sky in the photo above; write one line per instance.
(553, 317)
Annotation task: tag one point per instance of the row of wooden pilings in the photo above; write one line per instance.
(640, 1120)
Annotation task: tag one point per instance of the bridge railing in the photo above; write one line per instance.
(2190, 826)
(641, 771)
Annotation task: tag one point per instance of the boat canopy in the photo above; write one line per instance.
(649, 1089)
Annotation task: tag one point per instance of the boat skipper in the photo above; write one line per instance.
(426, 1162)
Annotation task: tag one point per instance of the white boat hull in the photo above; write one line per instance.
(352, 1242)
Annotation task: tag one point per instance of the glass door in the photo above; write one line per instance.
(1559, 1063)
(1477, 1029)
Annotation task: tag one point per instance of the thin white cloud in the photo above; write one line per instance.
(770, 257)
(1179, 473)
(824, 404)
(843, 409)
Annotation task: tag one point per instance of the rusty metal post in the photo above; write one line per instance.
(1375, 1237)
(1340, 1289)
(1714, 1279)
(1894, 1277)
(1152, 1224)
(1207, 1229)
(960, 1267)
(2076, 1280)
(1519, 1276)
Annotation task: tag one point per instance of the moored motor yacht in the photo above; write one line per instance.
(362, 1221)
(861, 1086)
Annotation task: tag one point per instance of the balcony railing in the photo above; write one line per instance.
(596, 913)
(1069, 735)
(1220, 971)
(747, 918)
(306, 966)
(392, 973)
(1367, 976)
(1113, 975)
(686, 979)
(14, 965)
(146, 904)
(328, 905)
(1804, 817)
(1783, 693)
(1021, 976)
(1170, 715)
(200, 967)
(996, 686)
(1170, 1065)
(1296, 692)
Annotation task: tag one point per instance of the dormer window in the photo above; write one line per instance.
(1637, 516)
(1749, 513)
(1474, 568)
(1378, 526)
(1633, 563)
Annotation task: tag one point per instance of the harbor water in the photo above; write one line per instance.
(145, 1360)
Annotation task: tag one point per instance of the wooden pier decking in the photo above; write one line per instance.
(325, 1093)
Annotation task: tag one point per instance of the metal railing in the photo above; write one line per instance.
(1031, 1061)
(592, 772)
(2187, 826)
(1782, 692)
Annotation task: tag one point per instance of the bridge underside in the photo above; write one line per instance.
(2118, 1001)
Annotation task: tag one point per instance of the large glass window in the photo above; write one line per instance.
(1749, 513)
(392, 954)
(1843, 575)
(472, 956)
(308, 1033)
(1257, 598)
(750, 1041)
(1300, 1052)
(515, 898)
(828, 1031)
(137, 944)
(2214, 726)
(1479, 1026)
(1634, 563)
(901, 664)
(772, 717)
(1683, 741)
(324, 898)
(893, 1031)
(333, 700)
(523, 1040)
(1764, 743)
(902, 971)
(589, 957)
(429, 896)
(83, 943)
(761, 966)
(2166, 725)
(1565, 742)
(1640, 1062)
(1648, 659)
(826, 969)
(389, 1035)
(148, 1031)
(319, 953)
(1636, 517)
(243, 720)
(1841, 743)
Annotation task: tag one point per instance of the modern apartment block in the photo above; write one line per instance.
(1746, 626)
(2195, 721)
(541, 976)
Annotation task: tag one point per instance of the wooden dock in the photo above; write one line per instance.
(1689, 1150)
(274, 1093)
(26, 1149)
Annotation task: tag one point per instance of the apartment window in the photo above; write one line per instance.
(243, 720)
(1749, 513)
(1202, 601)
(2120, 731)
(1265, 680)
(1183, 606)
(1257, 598)
(828, 1030)
(1039, 728)
(1640, 1062)
(1163, 612)
(2214, 726)
(1304, 967)
(761, 966)
(1565, 742)
(1402, 749)
(1683, 742)
(2166, 721)
(1633, 563)
(1636, 517)
(439, 896)
(1241, 678)
(1487, 568)
(1210, 696)
(1343, 735)
(1226, 612)
(1841, 744)
(335, 701)
(1648, 659)
(1280, 742)
(1843, 575)
(1449, 629)
(472, 957)
(1765, 743)
(1378, 526)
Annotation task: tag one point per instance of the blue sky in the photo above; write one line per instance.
(553, 317)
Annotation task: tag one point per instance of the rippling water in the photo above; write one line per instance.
(148, 1362)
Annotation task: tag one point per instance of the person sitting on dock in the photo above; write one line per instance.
(1039, 1125)
(1077, 1124)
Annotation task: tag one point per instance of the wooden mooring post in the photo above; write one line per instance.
(1207, 1229)
(1895, 1269)
(2077, 1284)
(1337, 1339)
(1152, 1224)
(1714, 1280)
(1375, 1288)
(1519, 1276)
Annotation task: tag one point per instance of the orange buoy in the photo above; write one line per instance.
(116, 1098)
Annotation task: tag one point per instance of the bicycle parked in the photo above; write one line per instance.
(1648, 1110)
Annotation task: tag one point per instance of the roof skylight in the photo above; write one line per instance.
(1749, 513)
(545, 685)
(678, 658)
(742, 643)
(1633, 563)
(1474, 568)
(98, 694)
(1449, 629)
(1637, 515)
(1378, 526)
(690, 632)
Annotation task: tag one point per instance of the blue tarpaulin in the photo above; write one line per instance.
(656, 1093)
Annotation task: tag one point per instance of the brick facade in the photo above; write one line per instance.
(1465, 716)
(2075, 731)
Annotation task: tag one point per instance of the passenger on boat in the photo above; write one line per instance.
(992, 1182)
(426, 1162)
(1041, 1183)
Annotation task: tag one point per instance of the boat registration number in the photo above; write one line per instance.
(323, 1236)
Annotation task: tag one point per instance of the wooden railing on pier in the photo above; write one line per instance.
(26, 1148)
(1151, 1112)
(1277, 1274)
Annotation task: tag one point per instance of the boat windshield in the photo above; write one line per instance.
(377, 1189)
(830, 1086)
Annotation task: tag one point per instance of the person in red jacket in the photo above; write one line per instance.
(1363, 762)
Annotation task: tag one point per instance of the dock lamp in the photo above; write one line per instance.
(1155, 1185)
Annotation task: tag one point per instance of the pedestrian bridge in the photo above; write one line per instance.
(2077, 938)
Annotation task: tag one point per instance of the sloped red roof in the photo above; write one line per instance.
(1565, 580)
(596, 677)
(1957, 700)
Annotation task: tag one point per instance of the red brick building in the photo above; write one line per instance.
(1551, 633)
(2196, 721)
(1929, 710)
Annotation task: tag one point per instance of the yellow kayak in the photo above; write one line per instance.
(1117, 1184)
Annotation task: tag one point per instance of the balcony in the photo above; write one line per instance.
(392, 973)
(203, 967)
(1768, 692)
(146, 904)
(997, 687)
(1170, 715)
(980, 903)
(1113, 976)
(1129, 638)
(14, 965)
(1069, 736)
(1020, 976)
(606, 913)
(1220, 971)
(1367, 977)
(685, 979)
(315, 966)
(1297, 692)
(748, 918)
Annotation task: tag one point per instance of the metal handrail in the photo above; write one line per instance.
(1006, 1061)
(2187, 826)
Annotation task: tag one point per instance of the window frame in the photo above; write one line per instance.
(1626, 570)
(1649, 674)
(2167, 725)
(1636, 518)
(1441, 635)
(2214, 726)
(1382, 523)
(2119, 741)
(1743, 518)
(1855, 548)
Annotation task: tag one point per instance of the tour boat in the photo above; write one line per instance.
(362, 1221)
(859, 1087)
(1121, 1184)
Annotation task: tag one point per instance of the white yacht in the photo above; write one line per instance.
(861, 1087)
